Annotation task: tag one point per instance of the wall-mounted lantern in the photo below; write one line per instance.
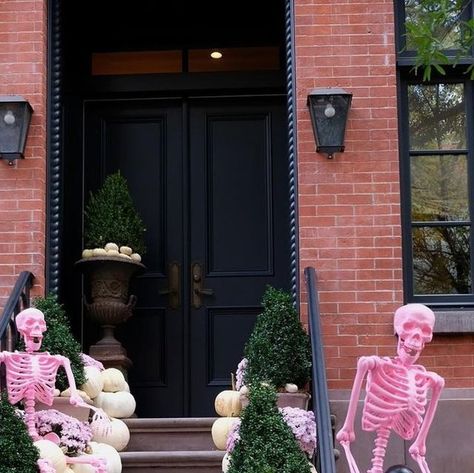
(15, 116)
(329, 109)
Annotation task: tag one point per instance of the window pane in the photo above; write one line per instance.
(437, 116)
(441, 260)
(439, 188)
(448, 33)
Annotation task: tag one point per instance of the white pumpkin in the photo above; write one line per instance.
(226, 462)
(312, 468)
(120, 405)
(84, 467)
(87, 253)
(114, 380)
(84, 395)
(220, 430)
(111, 246)
(117, 435)
(126, 250)
(50, 451)
(94, 382)
(136, 257)
(291, 388)
(99, 252)
(114, 463)
(227, 403)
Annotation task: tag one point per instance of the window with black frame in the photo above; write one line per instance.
(436, 143)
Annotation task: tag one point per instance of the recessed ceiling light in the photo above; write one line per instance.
(216, 54)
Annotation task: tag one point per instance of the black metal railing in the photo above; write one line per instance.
(19, 299)
(325, 458)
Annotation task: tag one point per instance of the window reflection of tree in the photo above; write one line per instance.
(441, 261)
(441, 253)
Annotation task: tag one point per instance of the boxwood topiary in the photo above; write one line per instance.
(17, 452)
(266, 442)
(111, 217)
(278, 350)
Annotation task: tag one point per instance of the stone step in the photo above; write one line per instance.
(170, 434)
(172, 462)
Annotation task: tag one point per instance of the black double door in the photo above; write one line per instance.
(210, 179)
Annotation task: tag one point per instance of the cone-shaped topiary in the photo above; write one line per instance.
(58, 339)
(17, 452)
(266, 444)
(111, 217)
(278, 350)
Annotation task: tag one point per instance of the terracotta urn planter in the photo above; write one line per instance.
(109, 303)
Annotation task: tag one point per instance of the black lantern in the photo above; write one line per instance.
(328, 109)
(15, 115)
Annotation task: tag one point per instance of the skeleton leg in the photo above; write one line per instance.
(381, 442)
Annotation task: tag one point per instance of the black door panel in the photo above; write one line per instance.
(209, 177)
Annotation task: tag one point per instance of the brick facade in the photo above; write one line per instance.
(23, 186)
(349, 207)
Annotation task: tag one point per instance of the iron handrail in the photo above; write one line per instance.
(325, 451)
(19, 299)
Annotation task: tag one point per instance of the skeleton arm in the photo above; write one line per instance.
(99, 418)
(418, 447)
(364, 364)
(75, 398)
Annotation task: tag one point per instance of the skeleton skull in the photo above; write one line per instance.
(414, 326)
(31, 325)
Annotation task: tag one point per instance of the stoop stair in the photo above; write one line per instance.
(171, 445)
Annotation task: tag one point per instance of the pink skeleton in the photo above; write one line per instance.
(396, 392)
(31, 377)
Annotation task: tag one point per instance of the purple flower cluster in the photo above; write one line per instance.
(89, 361)
(74, 435)
(300, 421)
(240, 374)
(303, 425)
(233, 436)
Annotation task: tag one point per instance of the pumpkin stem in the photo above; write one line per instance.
(232, 380)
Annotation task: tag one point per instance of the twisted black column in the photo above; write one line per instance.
(54, 128)
(292, 170)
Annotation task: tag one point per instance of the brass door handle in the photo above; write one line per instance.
(196, 284)
(172, 291)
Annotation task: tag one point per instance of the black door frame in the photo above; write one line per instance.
(55, 127)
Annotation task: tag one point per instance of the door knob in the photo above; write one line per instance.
(197, 290)
(172, 291)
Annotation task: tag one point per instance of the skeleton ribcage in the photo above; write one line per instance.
(29, 372)
(396, 398)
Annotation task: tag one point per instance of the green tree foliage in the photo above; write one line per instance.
(58, 339)
(111, 217)
(438, 32)
(267, 444)
(278, 350)
(17, 452)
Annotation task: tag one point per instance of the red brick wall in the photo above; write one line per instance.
(349, 207)
(23, 186)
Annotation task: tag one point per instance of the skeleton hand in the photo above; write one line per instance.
(345, 435)
(75, 399)
(418, 449)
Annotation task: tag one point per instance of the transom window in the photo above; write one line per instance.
(436, 145)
